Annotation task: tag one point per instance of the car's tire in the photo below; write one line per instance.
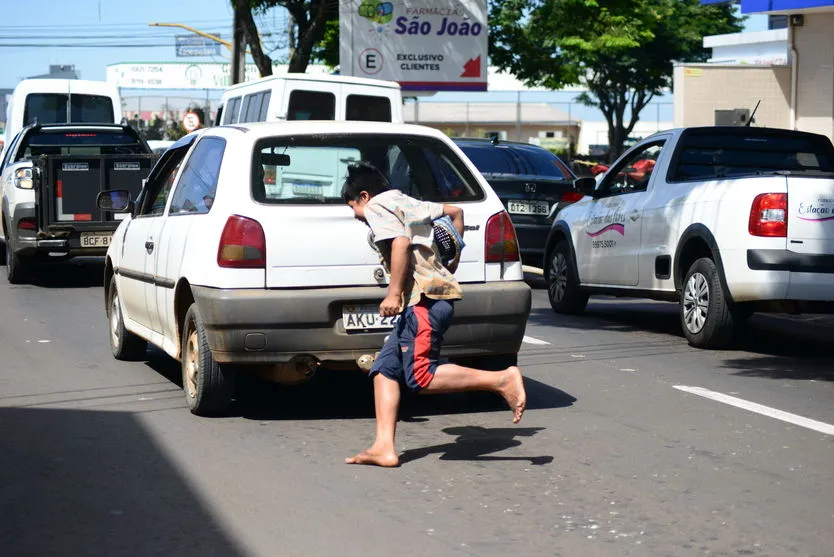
(563, 288)
(125, 345)
(706, 316)
(209, 387)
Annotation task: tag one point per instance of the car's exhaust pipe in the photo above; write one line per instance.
(298, 370)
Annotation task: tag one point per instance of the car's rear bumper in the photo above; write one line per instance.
(61, 240)
(270, 326)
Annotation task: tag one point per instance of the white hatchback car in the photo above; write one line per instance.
(240, 254)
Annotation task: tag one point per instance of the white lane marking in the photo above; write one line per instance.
(531, 340)
(795, 419)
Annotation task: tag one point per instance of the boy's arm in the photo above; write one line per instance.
(392, 304)
(456, 214)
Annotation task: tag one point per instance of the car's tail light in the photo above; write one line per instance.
(769, 215)
(501, 241)
(242, 244)
(571, 197)
(27, 224)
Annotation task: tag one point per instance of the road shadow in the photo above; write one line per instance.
(478, 444)
(85, 272)
(349, 395)
(618, 317)
(94, 483)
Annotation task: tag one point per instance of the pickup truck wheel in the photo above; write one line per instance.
(125, 345)
(17, 269)
(706, 317)
(209, 387)
(563, 282)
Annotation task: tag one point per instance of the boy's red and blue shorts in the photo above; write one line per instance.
(411, 353)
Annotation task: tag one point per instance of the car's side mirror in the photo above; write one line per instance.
(117, 201)
(585, 186)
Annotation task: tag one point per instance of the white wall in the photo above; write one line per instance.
(596, 133)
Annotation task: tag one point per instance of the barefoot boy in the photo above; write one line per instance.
(422, 291)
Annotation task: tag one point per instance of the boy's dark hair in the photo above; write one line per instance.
(363, 176)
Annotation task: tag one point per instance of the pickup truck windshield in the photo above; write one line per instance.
(709, 155)
(78, 142)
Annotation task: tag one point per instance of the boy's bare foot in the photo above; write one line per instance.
(375, 457)
(513, 392)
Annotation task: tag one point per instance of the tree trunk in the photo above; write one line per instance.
(250, 31)
(307, 38)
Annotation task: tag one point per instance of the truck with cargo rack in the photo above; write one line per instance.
(51, 177)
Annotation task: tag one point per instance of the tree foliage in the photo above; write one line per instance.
(308, 27)
(621, 51)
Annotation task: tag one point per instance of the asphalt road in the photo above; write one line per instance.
(618, 454)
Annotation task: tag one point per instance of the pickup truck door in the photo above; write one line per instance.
(610, 238)
(141, 245)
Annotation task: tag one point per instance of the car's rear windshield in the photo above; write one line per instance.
(515, 160)
(706, 155)
(312, 169)
(78, 142)
(56, 108)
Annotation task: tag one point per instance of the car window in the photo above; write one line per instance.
(51, 108)
(198, 183)
(230, 113)
(511, 159)
(154, 196)
(632, 174)
(78, 142)
(369, 108)
(311, 105)
(306, 170)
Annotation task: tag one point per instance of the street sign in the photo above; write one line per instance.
(195, 45)
(190, 121)
(420, 44)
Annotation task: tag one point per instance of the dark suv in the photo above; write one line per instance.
(530, 181)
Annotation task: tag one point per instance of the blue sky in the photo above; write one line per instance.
(121, 22)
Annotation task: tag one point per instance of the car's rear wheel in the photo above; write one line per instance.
(563, 282)
(706, 316)
(124, 344)
(209, 387)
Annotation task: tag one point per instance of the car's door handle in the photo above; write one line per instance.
(149, 246)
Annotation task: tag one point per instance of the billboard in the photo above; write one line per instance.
(425, 45)
(195, 45)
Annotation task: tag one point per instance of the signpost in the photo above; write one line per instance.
(421, 44)
(190, 121)
(195, 45)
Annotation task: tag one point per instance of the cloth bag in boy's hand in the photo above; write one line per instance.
(449, 242)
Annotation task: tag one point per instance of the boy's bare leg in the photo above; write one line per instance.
(450, 378)
(386, 403)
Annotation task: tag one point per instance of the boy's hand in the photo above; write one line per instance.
(390, 306)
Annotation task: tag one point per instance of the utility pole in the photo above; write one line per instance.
(238, 50)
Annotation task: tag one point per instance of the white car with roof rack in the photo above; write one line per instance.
(240, 255)
(725, 220)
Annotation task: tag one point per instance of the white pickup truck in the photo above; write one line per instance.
(725, 220)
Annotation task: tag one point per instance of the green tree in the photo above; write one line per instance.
(307, 29)
(621, 51)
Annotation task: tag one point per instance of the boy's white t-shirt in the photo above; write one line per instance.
(392, 214)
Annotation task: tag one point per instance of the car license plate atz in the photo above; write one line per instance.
(528, 207)
(366, 317)
(95, 239)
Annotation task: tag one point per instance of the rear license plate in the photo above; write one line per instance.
(366, 317)
(95, 239)
(528, 207)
